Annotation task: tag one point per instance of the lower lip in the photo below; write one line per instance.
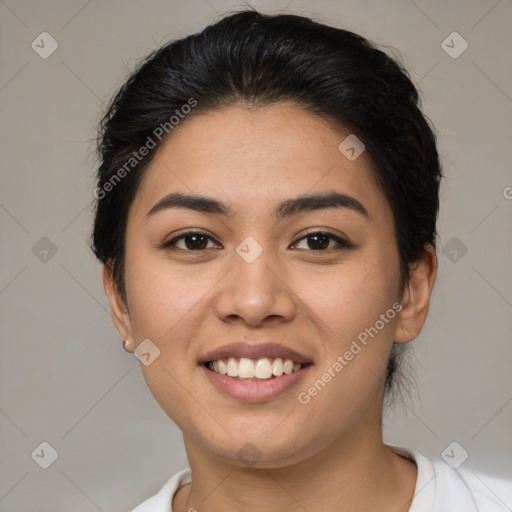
(255, 390)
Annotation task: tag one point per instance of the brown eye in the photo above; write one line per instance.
(197, 241)
(320, 241)
(192, 241)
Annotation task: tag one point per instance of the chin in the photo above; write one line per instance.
(260, 450)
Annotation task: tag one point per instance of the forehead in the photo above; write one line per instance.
(253, 159)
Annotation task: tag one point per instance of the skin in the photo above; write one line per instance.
(327, 455)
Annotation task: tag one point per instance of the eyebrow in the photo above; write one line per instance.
(287, 208)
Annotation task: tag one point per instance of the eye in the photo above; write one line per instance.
(320, 241)
(193, 241)
(198, 241)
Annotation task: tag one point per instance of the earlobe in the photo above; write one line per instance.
(118, 309)
(416, 296)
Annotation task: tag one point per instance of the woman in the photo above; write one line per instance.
(266, 217)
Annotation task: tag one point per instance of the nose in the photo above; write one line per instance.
(255, 291)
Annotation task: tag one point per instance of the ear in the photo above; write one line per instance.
(118, 309)
(416, 296)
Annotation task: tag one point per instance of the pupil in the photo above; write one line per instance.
(316, 237)
(195, 244)
(198, 242)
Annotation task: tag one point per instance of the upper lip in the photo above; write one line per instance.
(254, 350)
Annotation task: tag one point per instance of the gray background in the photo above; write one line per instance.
(64, 376)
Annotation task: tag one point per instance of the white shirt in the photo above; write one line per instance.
(439, 488)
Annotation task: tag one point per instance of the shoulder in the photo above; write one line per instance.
(161, 501)
(471, 488)
(441, 488)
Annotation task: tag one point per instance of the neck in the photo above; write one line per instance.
(358, 472)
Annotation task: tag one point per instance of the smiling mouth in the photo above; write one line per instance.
(245, 369)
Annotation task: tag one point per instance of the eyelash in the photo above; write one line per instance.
(342, 243)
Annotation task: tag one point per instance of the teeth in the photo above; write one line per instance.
(232, 369)
(223, 369)
(263, 369)
(277, 367)
(245, 368)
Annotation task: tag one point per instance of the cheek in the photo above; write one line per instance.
(161, 296)
(357, 306)
(164, 305)
(352, 296)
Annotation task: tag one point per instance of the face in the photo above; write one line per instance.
(318, 280)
